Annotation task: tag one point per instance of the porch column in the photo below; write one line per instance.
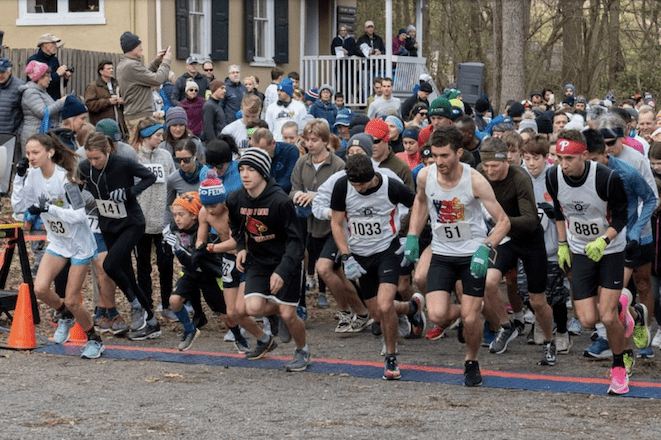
(388, 39)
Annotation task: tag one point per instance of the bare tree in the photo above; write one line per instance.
(512, 81)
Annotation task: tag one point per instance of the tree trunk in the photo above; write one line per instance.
(616, 57)
(497, 52)
(572, 40)
(512, 81)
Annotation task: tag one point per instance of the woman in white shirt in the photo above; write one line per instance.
(51, 191)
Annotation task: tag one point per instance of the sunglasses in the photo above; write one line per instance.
(208, 70)
(376, 141)
(611, 143)
(184, 159)
(423, 113)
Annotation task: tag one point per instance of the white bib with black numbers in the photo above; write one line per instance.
(586, 214)
(371, 220)
(110, 209)
(59, 228)
(458, 224)
(159, 171)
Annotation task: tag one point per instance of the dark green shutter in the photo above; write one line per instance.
(183, 43)
(219, 30)
(281, 31)
(249, 30)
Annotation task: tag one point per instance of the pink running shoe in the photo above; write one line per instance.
(619, 381)
(625, 315)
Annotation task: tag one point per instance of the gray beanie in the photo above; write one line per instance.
(362, 140)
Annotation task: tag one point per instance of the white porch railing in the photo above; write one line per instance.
(354, 76)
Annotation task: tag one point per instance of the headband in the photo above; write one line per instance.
(486, 156)
(251, 131)
(565, 146)
(361, 178)
(149, 131)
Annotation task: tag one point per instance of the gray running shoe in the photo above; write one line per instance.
(169, 314)
(118, 325)
(187, 339)
(300, 361)
(92, 350)
(344, 323)
(506, 333)
(138, 318)
(360, 323)
(261, 349)
(63, 329)
(549, 356)
(242, 345)
(147, 332)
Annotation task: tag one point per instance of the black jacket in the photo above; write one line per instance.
(375, 42)
(52, 62)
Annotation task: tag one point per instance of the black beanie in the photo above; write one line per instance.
(544, 124)
(482, 105)
(515, 110)
(218, 152)
(129, 41)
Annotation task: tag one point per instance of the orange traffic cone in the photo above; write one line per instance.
(77, 334)
(22, 336)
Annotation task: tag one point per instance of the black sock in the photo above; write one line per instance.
(560, 317)
(236, 331)
(92, 335)
(618, 360)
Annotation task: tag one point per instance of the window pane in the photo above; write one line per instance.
(83, 5)
(260, 39)
(43, 6)
(196, 6)
(196, 33)
(260, 9)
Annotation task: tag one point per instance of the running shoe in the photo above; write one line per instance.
(488, 336)
(656, 342)
(92, 350)
(641, 332)
(310, 284)
(434, 333)
(629, 361)
(200, 321)
(359, 323)
(118, 325)
(391, 370)
(538, 334)
(169, 315)
(530, 337)
(261, 349)
(138, 318)
(63, 329)
(242, 345)
(519, 326)
(344, 323)
(472, 375)
(403, 326)
(300, 361)
(283, 330)
(600, 349)
(376, 328)
(528, 317)
(147, 332)
(187, 339)
(645, 353)
(619, 381)
(563, 343)
(103, 324)
(322, 301)
(574, 327)
(302, 313)
(625, 316)
(506, 334)
(549, 350)
(417, 319)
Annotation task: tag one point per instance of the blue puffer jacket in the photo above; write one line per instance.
(325, 110)
(11, 112)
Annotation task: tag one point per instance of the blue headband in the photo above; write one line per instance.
(149, 131)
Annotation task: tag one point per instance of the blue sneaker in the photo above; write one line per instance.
(322, 300)
(62, 332)
(645, 353)
(302, 313)
(92, 350)
(599, 350)
(574, 327)
(488, 336)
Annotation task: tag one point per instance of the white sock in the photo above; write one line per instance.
(601, 330)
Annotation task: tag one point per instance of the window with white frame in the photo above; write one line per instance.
(60, 12)
(264, 31)
(199, 28)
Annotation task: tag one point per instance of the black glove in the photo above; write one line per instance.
(632, 251)
(197, 255)
(22, 166)
(43, 205)
(548, 209)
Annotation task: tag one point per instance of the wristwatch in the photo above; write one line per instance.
(489, 245)
(606, 239)
(345, 257)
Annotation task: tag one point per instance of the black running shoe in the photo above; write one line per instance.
(472, 375)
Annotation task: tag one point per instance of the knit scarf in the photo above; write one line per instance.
(192, 178)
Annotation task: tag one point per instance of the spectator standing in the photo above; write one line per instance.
(193, 105)
(138, 80)
(234, 93)
(421, 95)
(102, 97)
(48, 45)
(179, 91)
(251, 86)
(324, 107)
(387, 104)
(213, 115)
(11, 113)
(399, 43)
(347, 44)
(285, 109)
(271, 92)
(411, 43)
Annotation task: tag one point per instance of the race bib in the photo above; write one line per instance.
(460, 231)
(365, 229)
(543, 218)
(93, 222)
(228, 267)
(588, 229)
(59, 228)
(158, 170)
(110, 209)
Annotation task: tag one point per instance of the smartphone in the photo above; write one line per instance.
(74, 195)
(167, 50)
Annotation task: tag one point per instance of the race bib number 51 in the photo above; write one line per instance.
(110, 209)
(459, 231)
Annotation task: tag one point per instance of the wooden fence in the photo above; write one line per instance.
(84, 62)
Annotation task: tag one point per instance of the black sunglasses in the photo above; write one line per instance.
(184, 159)
(611, 143)
(376, 141)
(208, 70)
